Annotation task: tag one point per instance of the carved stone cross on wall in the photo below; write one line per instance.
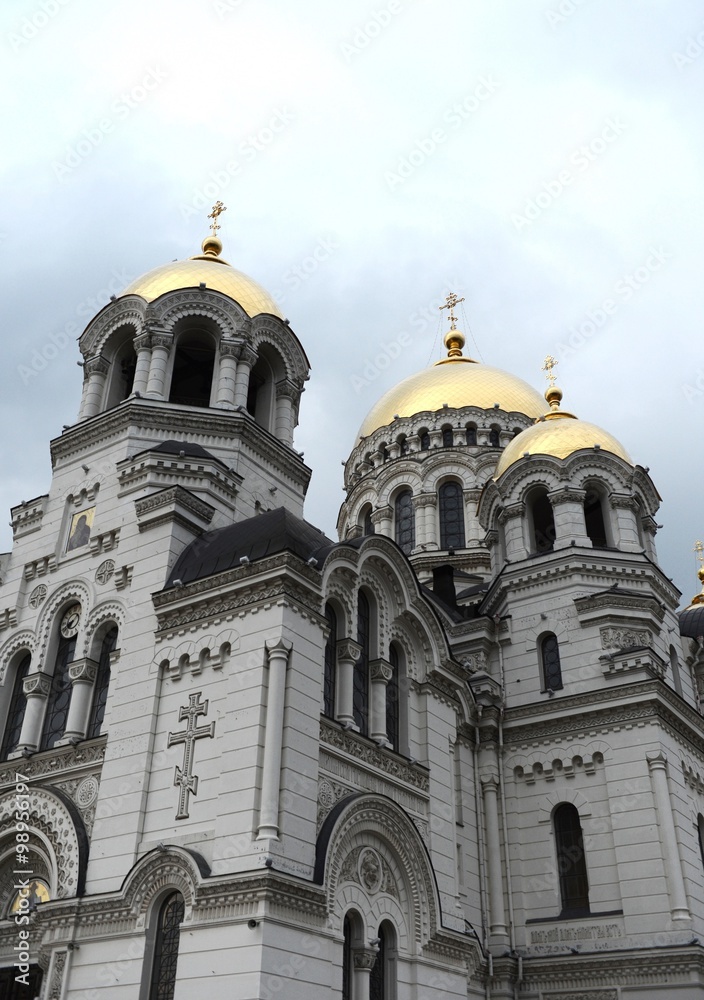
(184, 777)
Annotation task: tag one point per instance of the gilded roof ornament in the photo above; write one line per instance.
(454, 340)
(218, 209)
(450, 302)
(212, 245)
(699, 549)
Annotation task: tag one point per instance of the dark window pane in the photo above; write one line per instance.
(550, 658)
(15, 715)
(543, 524)
(347, 961)
(392, 705)
(424, 441)
(594, 520)
(377, 979)
(571, 863)
(102, 684)
(330, 663)
(360, 693)
(494, 440)
(448, 438)
(168, 931)
(59, 696)
(405, 521)
(451, 516)
(471, 435)
(368, 523)
(403, 442)
(192, 376)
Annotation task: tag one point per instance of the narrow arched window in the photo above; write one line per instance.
(424, 440)
(392, 700)
(168, 931)
(571, 862)
(515, 432)
(550, 662)
(700, 833)
(360, 692)
(59, 695)
(16, 710)
(382, 981)
(402, 444)
(405, 522)
(494, 437)
(347, 970)
(675, 668)
(594, 519)
(448, 437)
(102, 684)
(543, 522)
(384, 453)
(330, 663)
(367, 523)
(471, 434)
(451, 509)
(192, 376)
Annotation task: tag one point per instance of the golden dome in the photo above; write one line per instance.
(457, 381)
(559, 434)
(212, 271)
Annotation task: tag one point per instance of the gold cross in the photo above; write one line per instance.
(218, 209)
(548, 366)
(450, 302)
(699, 549)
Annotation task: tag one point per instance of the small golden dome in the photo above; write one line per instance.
(456, 381)
(559, 434)
(212, 271)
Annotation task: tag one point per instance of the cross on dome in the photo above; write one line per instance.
(450, 302)
(218, 209)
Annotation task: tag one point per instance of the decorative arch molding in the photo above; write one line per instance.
(55, 820)
(173, 307)
(460, 469)
(549, 623)
(338, 592)
(128, 311)
(559, 762)
(406, 475)
(549, 802)
(381, 905)
(73, 590)
(193, 655)
(283, 340)
(171, 868)
(360, 820)
(113, 611)
(25, 639)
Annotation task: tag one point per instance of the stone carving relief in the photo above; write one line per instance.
(624, 638)
(367, 868)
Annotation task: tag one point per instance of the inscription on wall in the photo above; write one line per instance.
(599, 934)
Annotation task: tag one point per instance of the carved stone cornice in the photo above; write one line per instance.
(163, 340)
(168, 498)
(382, 514)
(364, 958)
(380, 670)
(364, 751)
(247, 355)
(348, 649)
(84, 670)
(230, 348)
(595, 607)
(510, 511)
(97, 365)
(565, 979)
(37, 684)
(623, 500)
(285, 389)
(143, 342)
(425, 500)
(56, 762)
(567, 494)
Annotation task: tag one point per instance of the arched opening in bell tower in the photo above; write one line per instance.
(192, 373)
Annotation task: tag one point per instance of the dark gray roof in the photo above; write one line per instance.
(264, 535)
(692, 621)
(187, 447)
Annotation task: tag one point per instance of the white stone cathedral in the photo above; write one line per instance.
(457, 753)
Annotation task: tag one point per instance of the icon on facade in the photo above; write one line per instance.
(79, 535)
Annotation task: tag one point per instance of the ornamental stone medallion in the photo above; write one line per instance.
(104, 572)
(369, 870)
(37, 596)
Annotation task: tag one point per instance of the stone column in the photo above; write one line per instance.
(277, 661)
(381, 673)
(649, 529)
(382, 520)
(143, 348)
(512, 517)
(625, 510)
(245, 363)
(82, 673)
(96, 369)
(431, 521)
(161, 347)
(497, 914)
(363, 960)
(348, 652)
(284, 423)
(568, 513)
(227, 374)
(473, 529)
(657, 762)
(36, 689)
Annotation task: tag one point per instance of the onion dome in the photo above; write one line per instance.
(209, 269)
(559, 434)
(692, 618)
(454, 381)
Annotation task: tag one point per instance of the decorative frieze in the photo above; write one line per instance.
(57, 762)
(383, 762)
(625, 638)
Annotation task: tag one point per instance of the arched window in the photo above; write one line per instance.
(392, 700)
(102, 683)
(382, 981)
(347, 960)
(542, 522)
(594, 519)
(700, 833)
(365, 520)
(330, 663)
(571, 862)
(16, 709)
(494, 437)
(192, 375)
(550, 662)
(448, 437)
(384, 452)
(451, 509)
(360, 692)
(424, 438)
(471, 434)
(168, 931)
(675, 668)
(402, 441)
(59, 695)
(122, 367)
(515, 432)
(405, 521)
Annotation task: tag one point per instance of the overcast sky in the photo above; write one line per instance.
(544, 160)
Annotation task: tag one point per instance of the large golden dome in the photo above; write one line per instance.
(212, 271)
(559, 434)
(457, 381)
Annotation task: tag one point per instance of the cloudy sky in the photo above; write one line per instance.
(542, 159)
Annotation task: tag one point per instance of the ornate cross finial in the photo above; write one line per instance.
(699, 549)
(548, 366)
(450, 302)
(218, 209)
(184, 778)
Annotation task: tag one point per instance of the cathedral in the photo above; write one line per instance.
(456, 753)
